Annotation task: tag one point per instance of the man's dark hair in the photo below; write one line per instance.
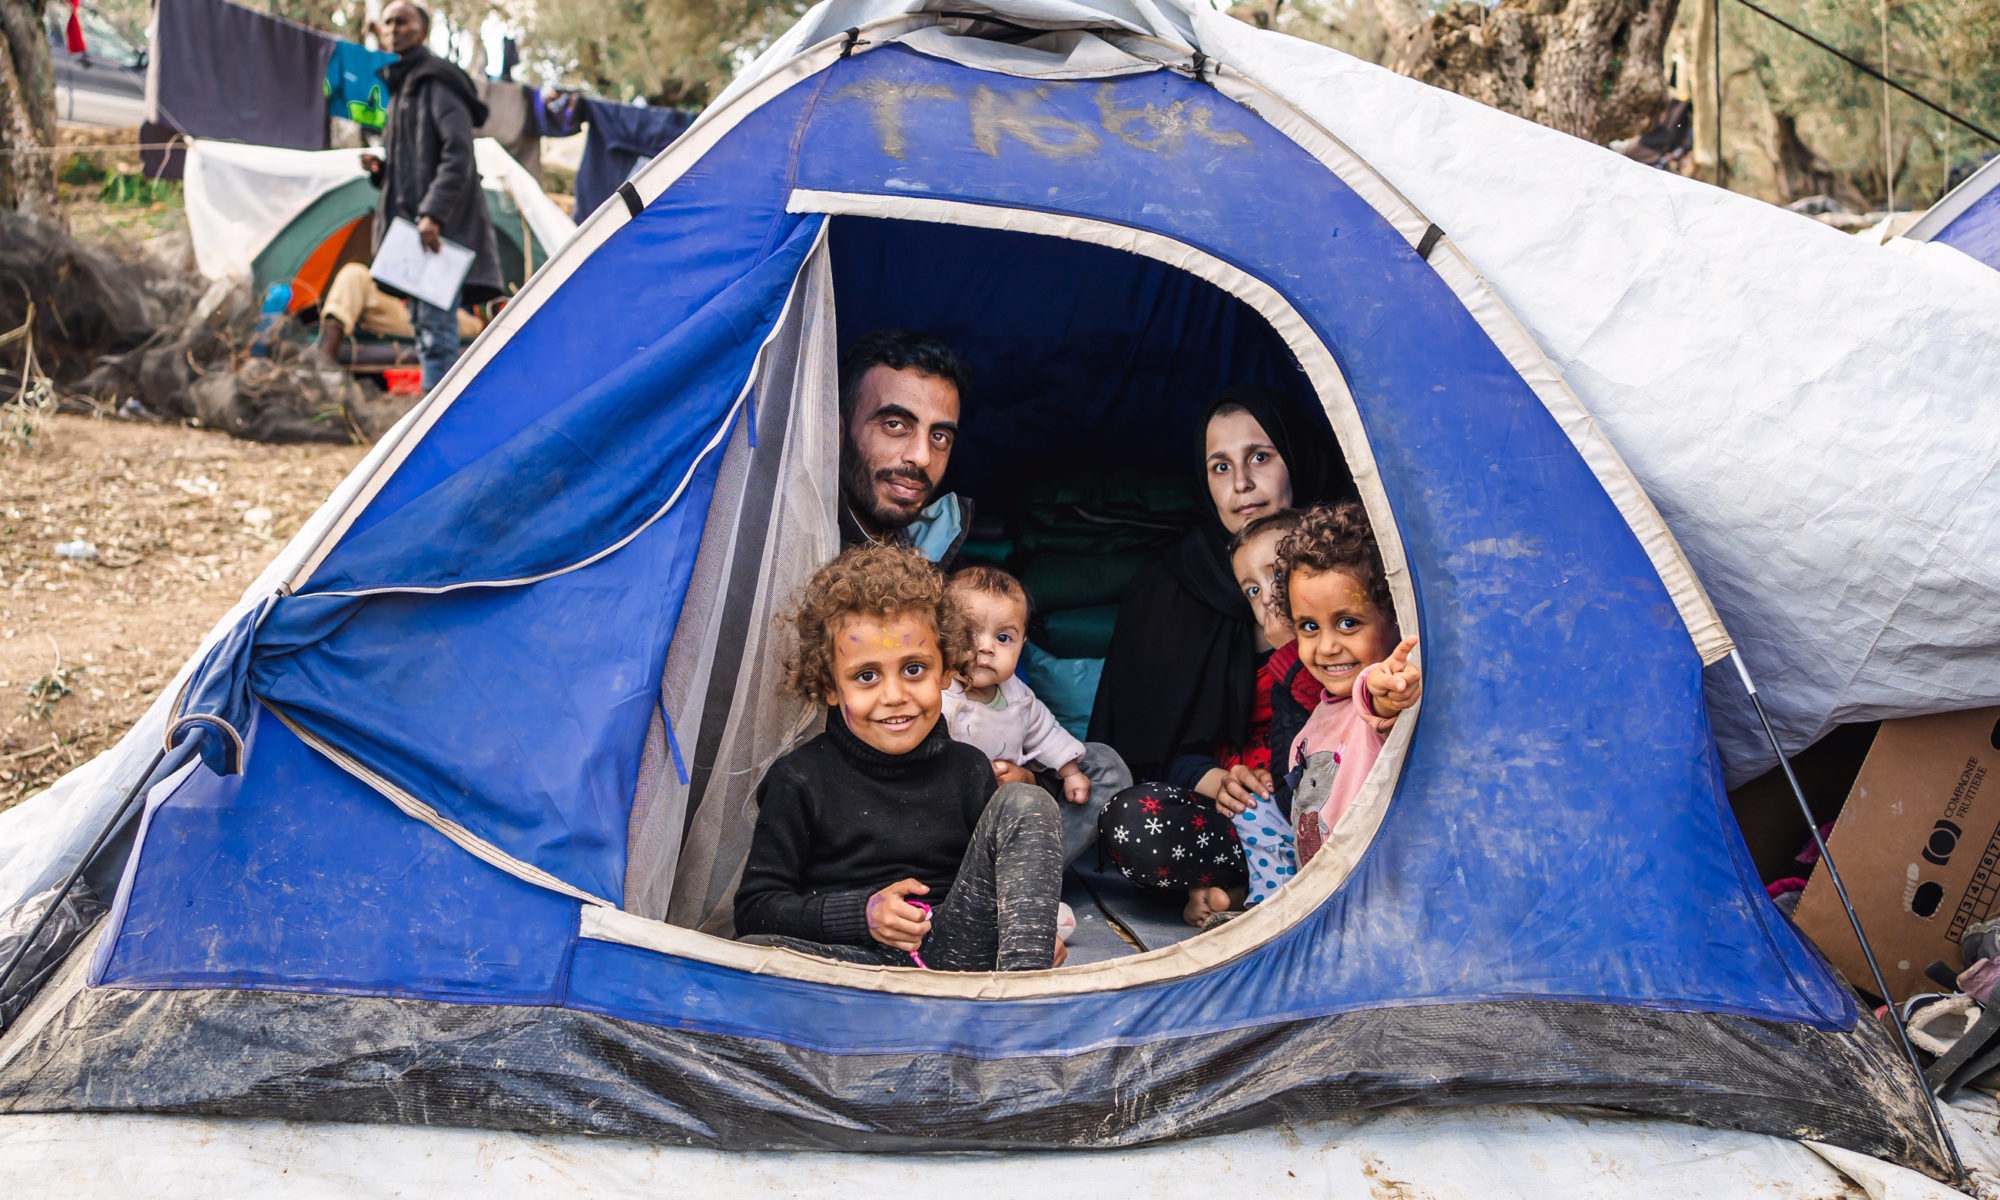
(423, 14)
(899, 350)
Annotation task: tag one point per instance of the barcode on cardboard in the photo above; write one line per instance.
(1980, 893)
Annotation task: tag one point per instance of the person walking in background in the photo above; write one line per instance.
(429, 178)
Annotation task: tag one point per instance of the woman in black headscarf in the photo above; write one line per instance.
(1181, 673)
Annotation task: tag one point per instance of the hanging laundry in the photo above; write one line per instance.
(511, 121)
(560, 113)
(222, 71)
(353, 89)
(622, 136)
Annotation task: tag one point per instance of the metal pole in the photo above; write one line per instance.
(1853, 919)
(1715, 49)
(1888, 165)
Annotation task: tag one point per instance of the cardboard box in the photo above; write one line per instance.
(1918, 846)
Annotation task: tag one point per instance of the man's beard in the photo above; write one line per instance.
(858, 482)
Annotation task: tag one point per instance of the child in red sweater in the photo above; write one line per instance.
(1239, 779)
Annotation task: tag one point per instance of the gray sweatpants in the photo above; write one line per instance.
(1108, 776)
(1001, 912)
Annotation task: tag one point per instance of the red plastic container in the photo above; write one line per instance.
(404, 381)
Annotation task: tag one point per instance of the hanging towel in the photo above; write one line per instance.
(222, 71)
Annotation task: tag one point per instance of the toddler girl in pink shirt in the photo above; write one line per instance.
(1332, 587)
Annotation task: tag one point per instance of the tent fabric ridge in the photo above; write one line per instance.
(721, 433)
(591, 234)
(1697, 611)
(464, 838)
(1504, 327)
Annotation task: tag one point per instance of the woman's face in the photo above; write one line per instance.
(1246, 478)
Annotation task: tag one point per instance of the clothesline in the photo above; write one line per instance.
(169, 144)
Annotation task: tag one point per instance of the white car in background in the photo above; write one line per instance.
(104, 85)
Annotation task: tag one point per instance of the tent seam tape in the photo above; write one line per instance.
(464, 838)
(680, 489)
(1697, 611)
(596, 229)
(721, 435)
(1518, 346)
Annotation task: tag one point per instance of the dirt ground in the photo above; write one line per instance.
(182, 520)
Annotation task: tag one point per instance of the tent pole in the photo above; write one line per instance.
(1853, 919)
(82, 864)
(1888, 163)
(1715, 49)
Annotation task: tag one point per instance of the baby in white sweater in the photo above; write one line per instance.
(993, 710)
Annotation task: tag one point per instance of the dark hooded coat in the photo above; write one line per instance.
(1182, 670)
(429, 169)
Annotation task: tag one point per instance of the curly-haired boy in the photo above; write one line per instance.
(885, 806)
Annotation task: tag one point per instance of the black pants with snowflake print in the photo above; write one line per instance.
(1165, 839)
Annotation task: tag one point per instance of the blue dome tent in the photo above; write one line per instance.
(443, 817)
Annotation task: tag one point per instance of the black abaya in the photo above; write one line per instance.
(1181, 672)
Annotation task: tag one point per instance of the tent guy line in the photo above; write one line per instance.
(1872, 73)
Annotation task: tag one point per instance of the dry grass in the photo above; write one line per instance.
(183, 520)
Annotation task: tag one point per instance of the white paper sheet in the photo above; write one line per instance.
(404, 264)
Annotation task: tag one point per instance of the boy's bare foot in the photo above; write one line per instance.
(1203, 903)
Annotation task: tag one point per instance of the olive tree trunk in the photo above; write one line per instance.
(1593, 68)
(27, 111)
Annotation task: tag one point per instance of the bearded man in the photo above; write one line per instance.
(899, 398)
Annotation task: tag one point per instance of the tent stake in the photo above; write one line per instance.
(1853, 918)
(82, 864)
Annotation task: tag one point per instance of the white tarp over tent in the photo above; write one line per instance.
(240, 196)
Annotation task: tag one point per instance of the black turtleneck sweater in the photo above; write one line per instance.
(838, 821)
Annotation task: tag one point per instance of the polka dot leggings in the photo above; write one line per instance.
(1268, 851)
